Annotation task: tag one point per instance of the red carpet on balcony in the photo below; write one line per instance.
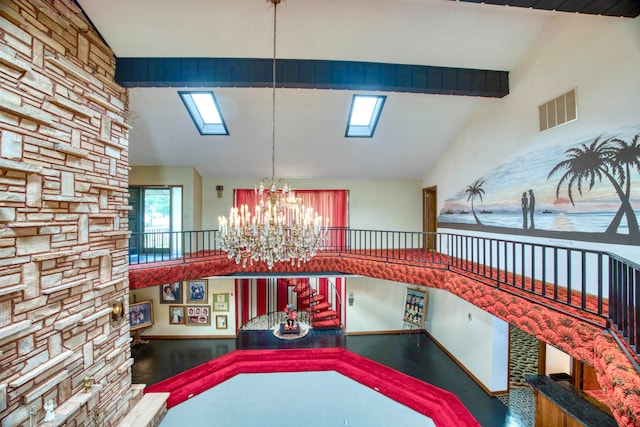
(444, 408)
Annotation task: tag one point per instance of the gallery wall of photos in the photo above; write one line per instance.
(188, 304)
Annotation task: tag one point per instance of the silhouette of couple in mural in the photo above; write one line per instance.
(528, 210)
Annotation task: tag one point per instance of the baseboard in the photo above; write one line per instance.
(372, 333)
(393, 332)
(473, 377)
(186, 337)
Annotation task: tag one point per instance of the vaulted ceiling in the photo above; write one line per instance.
(438, 61)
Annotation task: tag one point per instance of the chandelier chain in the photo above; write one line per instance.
(273, 95)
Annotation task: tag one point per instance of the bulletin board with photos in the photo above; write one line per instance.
(415, 307)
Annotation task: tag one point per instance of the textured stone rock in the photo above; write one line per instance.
(25, 345)
(11, 145)
(30, 305)
(3, 397)
(68, 184)
(7, 214)
(55, 344)
(33, 244)
(16, 417)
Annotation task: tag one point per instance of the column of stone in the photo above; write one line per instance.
(63, 237)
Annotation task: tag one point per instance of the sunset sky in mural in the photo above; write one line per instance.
(504, 186)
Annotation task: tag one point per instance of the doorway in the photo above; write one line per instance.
(154, 218)
(429, 217)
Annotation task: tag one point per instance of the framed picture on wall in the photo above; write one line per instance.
(198, 315)
(221, 321)
(176, 315)
(140, 315)
(220, 302)
(171, 293)
(415, 307)
(197, 291)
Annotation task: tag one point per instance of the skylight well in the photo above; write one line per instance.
(364, 115)
(204, 112)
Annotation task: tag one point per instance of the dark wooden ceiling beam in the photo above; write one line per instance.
(310, 74)
(620, 8)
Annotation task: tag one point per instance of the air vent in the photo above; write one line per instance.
(558, 111)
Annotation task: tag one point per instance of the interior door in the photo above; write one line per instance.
(429, 217)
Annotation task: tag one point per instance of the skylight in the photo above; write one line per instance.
(204, 111)
(364, 115)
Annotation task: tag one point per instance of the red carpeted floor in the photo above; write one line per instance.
(442, 407)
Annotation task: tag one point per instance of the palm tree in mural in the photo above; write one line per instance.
(475, 190)
(628, 156)
(587, 163)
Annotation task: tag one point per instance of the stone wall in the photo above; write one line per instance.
(63, 219)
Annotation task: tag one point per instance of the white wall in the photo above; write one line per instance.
(557, 362)
(482, 346)
(371, 203)
(480, 343)
(161, 326)
(378, 305)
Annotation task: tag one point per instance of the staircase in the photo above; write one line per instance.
(321, 315)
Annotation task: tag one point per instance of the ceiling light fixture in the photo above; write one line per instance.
(281, 229)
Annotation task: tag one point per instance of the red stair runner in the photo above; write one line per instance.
(326, 324)
(300, 287)
(322, 316)
(320, 307)
(315, 299)
(306, 293)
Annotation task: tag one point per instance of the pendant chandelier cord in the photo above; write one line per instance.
(273, 96)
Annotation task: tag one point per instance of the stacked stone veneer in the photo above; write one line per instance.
(63, 219)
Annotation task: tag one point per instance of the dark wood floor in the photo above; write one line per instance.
(413, 354)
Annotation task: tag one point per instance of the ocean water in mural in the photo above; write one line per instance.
(588, 222)
(590, 186)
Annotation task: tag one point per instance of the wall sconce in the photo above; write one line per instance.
(117, 311)
(470, 319)
(219, 189)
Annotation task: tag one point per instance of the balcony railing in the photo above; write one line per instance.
(597, 287)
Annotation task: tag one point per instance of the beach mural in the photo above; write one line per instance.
(583, 190)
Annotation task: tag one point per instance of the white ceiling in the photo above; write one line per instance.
(414, 129)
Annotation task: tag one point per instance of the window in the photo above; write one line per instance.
(155, 220)
(204, 111)
(364, 114)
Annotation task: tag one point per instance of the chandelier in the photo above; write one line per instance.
(281, 228)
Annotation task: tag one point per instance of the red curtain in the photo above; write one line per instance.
(283, 293)
(261, 296)
(332, 204)
(242, 289)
